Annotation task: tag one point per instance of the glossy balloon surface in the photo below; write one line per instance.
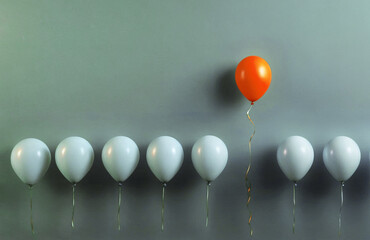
(120, 157)
(253, 77)
(342, 157)
(295, 156)
(30, 159)
(74, 157)
(165, 157)
(209, 155)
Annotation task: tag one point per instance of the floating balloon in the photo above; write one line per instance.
(120, 157)
(74, 157)
(295, 157)
(253, 77)
(30, 159)
(209, 155)
(165, 157)
(341, 157)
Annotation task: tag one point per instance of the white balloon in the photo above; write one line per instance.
(165, 157)
(74, 157)
(209, 155)
(30, 160)
(295, 157)
(342, 157)
(120, 157)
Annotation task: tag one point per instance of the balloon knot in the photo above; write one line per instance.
(252, 103)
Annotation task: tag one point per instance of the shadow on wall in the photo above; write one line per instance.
(187, 176)
(318, 182)
(358, 185)
(142, 177)
(269, 174)
(227, 92)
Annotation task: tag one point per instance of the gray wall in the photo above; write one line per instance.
(98, 69)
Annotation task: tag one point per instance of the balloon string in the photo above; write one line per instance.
(73, 204)
(207, 209)
(340, 209)
(294, 205)
(163, 190)
(31, 218)
(119, 205)
(248, 184)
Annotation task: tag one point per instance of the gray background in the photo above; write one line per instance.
(142, 69)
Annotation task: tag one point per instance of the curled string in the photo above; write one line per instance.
(119, 205)
(73, 204)
(294, 189)
(162, 217)
(340, 209)
(207, 209)
(248, 184)
(31, 218)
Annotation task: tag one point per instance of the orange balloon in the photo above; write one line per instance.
(253, 77)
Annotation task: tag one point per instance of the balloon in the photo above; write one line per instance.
(165, 157)
(341, 157)
(74, 157)
(120, 157)
(253, 77)
(295, 157)
(30, 160)
(209, 155)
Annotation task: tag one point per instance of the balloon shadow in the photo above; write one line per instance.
(142, 177)
(227, 92)
(187, 175)
(358, 185)
(54, 179)
(318, 181)
(269, 173)
(97, 175)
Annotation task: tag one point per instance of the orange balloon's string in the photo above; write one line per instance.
(248, 183)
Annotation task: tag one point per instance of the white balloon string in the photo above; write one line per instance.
(248, 184)
(294, 205)
(73, 204)
(207, 209)
(340, 210)
(162, 216)
(119, 205)
(31, 218)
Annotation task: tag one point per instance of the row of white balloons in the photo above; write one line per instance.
(341, 157)
(74, 156)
